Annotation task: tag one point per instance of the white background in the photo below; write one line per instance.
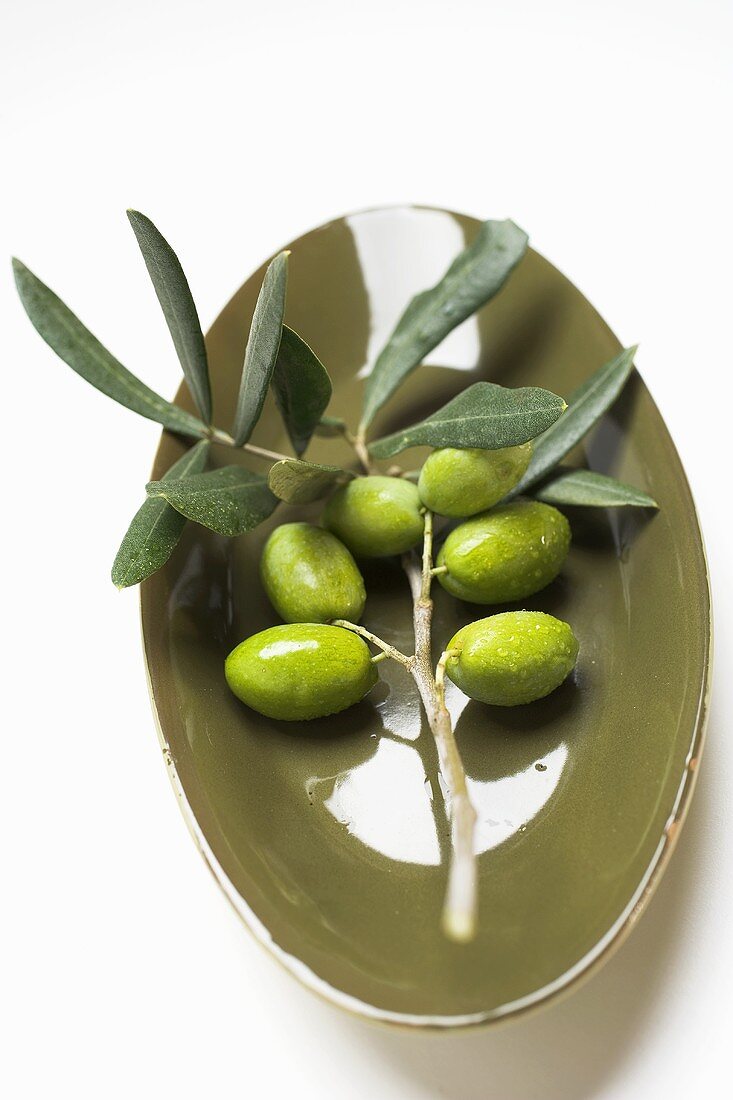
(604, 129)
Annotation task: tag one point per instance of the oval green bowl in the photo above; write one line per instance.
(329, 837)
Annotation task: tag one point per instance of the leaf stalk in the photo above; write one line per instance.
(226, 440)
(358, 442)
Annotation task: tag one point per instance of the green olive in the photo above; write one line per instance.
(512, 658)
(310, 577)
(506, 554)
(463, 482)
(300, 671)
(376, 516)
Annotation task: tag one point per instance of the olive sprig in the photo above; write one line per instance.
(490, 445)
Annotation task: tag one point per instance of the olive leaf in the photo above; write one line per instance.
(301, 386)
(230, 501)
(484, 415)
(474, 277)
(586, 405)
(299, 482)
(262, 348)
(76, 345)
(156, 527)
(178, 308)
(568, 486)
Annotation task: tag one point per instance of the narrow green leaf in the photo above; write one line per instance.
(586, 405)
(568, 486)
(302, 388)
(474, 277)
(262, 348)
(230, 501)
(74, 343)
(484, 415)
(156, 527)
(178, 308)
(300, 482)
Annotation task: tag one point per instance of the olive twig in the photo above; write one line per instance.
(461, 900)
(358, 442)
(387, 649)
(358, 445)
(218, 436)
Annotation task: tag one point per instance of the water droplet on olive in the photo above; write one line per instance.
(505, 660)
(376, 516)
(462, 483)
(300, 671)
(506, 554)
(310, 576)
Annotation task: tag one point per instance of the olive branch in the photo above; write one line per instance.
(233, 500)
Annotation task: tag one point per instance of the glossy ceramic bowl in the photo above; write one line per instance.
(329, 838)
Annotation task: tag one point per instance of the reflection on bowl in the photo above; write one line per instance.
(386, 802)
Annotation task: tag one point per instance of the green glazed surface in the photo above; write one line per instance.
(329, 836)
(513, 658)
(376, 517)
(459, 483)
(300, 671)
(506, 554)
(310, 576)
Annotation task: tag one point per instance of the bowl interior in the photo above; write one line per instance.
(330, 837)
